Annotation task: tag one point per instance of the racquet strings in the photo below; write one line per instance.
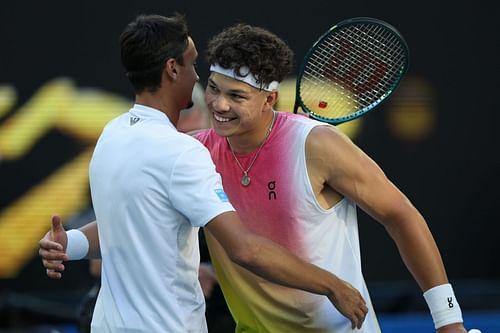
(351, 70)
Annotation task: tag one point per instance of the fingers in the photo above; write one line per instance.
(357, 317)
(361, 315)
(50, 251)
(53, 268)
(52, 256)
(55, 265)
(53, 274)
(50, 245)
(352, 305)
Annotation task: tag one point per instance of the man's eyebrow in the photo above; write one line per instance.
(211, 81)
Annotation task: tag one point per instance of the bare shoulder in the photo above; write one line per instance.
(329, 140)
(328, 133)
(332, 155)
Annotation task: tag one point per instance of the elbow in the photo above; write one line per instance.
(245, 255)
(407, 217)
(398, 211)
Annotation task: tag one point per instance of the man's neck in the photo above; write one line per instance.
(255, 138)
(162, 104)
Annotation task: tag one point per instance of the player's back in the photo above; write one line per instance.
(149, 249)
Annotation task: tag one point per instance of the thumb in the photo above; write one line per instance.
(56, 223)
(57, 232)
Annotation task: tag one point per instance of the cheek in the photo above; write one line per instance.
(208, 100)
(191, 77)
(249, 110)
(195, 75)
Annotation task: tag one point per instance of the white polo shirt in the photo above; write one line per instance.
(152, 187)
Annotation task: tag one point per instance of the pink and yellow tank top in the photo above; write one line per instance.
(280, 204)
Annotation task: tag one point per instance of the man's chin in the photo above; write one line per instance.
(221, 129)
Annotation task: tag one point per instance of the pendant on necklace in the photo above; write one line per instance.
(245, 180)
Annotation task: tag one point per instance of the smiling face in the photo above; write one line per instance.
(237, 108)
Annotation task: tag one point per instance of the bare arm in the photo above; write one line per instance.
(349, 171)
(346, 169)
(91, 232)
(276, 264)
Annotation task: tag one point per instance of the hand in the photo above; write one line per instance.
(207, 278)
(452, 328)
(52, 249)
(349, 303)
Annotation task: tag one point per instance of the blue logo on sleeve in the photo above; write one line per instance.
(222, 195)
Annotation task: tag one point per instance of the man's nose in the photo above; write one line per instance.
(220, 103)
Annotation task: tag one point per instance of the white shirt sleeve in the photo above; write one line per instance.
(196, 188)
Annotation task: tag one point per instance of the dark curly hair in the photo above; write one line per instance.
(267, 56)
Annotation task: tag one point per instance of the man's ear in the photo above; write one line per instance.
(272, 98)
(171, 68)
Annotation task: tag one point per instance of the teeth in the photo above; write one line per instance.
(221, 119)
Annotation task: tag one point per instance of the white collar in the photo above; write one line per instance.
(147, 112)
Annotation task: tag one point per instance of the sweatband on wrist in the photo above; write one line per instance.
(78, 244)
(443, 305)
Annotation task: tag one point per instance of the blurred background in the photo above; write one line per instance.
(61, 80)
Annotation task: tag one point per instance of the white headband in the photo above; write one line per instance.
(249, 78)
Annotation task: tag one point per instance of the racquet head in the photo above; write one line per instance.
(350, 70)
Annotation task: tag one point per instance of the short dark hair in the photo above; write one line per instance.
(267, 56)
(146, 43)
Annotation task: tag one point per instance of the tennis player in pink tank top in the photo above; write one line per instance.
(299, 182)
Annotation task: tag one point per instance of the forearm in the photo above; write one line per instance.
(422, 258)
(276, 264)
(418, 250)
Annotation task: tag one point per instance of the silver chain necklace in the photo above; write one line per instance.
(245, 180)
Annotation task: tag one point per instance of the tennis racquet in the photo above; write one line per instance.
(350, 70)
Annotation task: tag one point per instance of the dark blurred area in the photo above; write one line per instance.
(61, 80)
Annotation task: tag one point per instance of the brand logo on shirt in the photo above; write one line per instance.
(271, 186)
(134, 120)
(222, 195)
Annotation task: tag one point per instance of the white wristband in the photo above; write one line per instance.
(78, 244)
(443, 305)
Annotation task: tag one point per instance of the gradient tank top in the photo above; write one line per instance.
(280, 204)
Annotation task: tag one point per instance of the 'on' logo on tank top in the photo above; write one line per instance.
(271, 186)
